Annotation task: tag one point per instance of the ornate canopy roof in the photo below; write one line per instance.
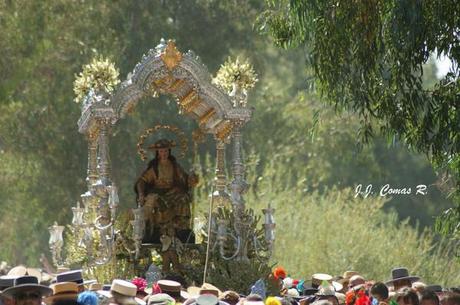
(166, 70)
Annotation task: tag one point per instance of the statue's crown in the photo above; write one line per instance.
(163, 143)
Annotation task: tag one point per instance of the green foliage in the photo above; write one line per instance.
(368, 57)
(338, 231)
(317, 149)
(43, 158)
(236, 275)
(448, 222)
(15, 178)
(335, 230)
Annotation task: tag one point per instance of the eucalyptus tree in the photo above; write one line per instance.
(368, 57)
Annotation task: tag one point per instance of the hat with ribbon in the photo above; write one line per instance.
(123, 291)
(318, 278)
(63, 291)
(346, 277)
(75, 276)
(206, 288)
(7, 281)
(399, 274)
(173, 289)
(24, 284)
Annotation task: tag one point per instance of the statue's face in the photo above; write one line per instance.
(163, 153)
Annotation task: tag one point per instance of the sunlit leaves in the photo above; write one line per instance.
(368, 57)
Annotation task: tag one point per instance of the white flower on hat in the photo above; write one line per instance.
(288, 282)
(293, 292)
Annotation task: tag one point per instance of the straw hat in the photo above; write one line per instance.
(124, 288)
(18, 271)
(346, 278)
(318, 278)
(206, 288)
(95, 287)
(173, 289)
(124, 291)
(63, 291)
(23, 270)
(348, 274)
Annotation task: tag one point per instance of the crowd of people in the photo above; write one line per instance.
(21, 286)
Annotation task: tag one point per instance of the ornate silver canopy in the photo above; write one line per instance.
(167, 71)
(163, 70)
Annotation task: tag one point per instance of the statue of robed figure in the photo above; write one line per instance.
(164, 190)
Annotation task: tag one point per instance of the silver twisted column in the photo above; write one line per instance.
(238, 187)
(104, 161)
(220, 195)
(92, 159)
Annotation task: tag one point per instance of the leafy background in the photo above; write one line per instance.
(302, 156)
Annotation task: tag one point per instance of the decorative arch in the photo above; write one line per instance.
(165, 70)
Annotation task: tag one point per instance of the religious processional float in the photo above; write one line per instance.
(159, 237)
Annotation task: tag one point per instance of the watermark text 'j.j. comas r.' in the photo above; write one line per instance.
(389, 190)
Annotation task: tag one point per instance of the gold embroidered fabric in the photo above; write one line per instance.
(165, 175)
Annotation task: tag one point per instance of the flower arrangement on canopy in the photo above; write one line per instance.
(236, 72)
(100, 74)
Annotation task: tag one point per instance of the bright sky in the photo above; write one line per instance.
(443, 65)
